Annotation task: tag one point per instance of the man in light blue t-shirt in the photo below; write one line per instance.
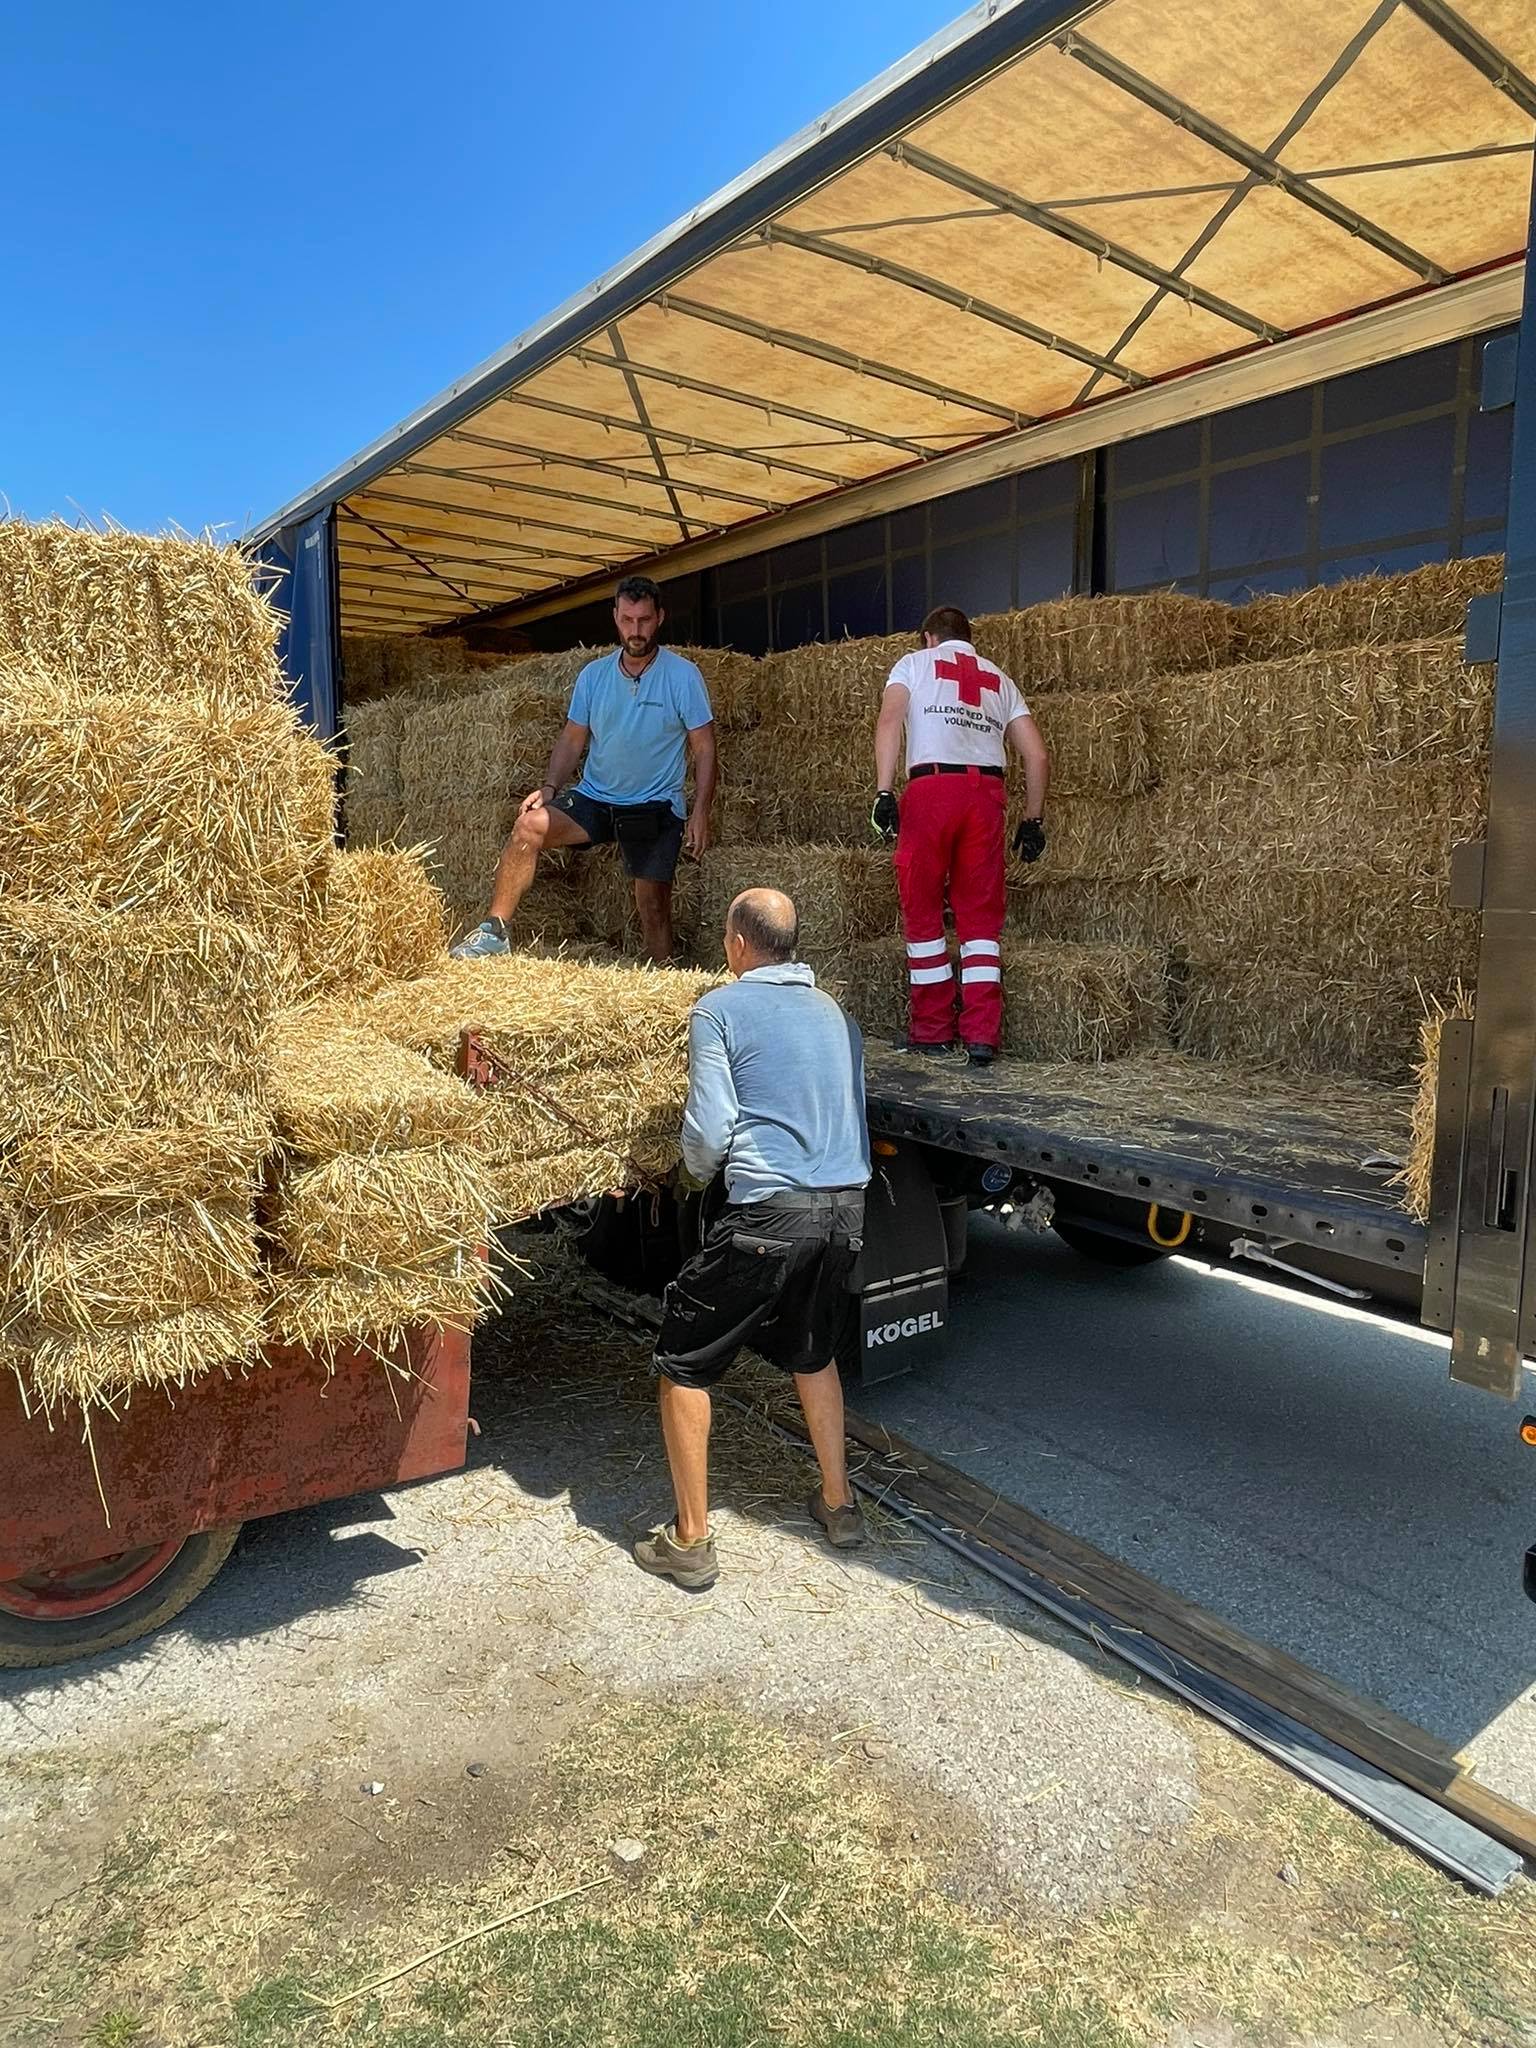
(637, 714)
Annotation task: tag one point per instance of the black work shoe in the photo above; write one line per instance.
(980, 1055)
(944, 1050)
(843, 1527)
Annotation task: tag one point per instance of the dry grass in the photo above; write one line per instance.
(1090, 838)
(816, 818)
(124, 613)
(171, 801)
(1061, 1001)
(825, 690)
(732, 682)
(380, 918)
(1414, 702)
(1418, 1172)
(1119, 912)
(1108, 643)
(197, 1162)
(1366, 611)
(327, 1312)
(372, 734)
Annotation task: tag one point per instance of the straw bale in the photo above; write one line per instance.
(87, 1267)
(1097, 741)
(167, 616)
(399, 1211)
(1418, 1169)
(1109, 643)
(558, 1179)
(791, 757)
(1061, 1001)
(1415, 701)
(374, 821)
(331, 1312)
(125, 1017)
(340, 1085)
(65, 1368)
(818, 819)
(607, 900)
(380, 917)
(204, 1161)
(1125, 913)
(543, 1016)
(463, 843)
(1090, 838)
(1363, 1022)
(844, 894)
(140, 802)
(744, 816)
(364, 659)
(554, 912)
(1367, 610)
(1401, 818)
(416, 658)
(828, 687)
(731, 680)
(992, 638)
(1330, 921)
(372, 731)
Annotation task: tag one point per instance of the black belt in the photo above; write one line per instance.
(951, 768)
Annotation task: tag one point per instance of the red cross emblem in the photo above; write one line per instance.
(968, 676)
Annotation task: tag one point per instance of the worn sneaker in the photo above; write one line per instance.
(485, 942)
(690, 1565)
(844, 1527)
(944, 1050)
(980, 1055)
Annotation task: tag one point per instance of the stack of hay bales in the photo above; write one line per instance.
(164, 828)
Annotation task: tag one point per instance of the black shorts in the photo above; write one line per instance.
(777, 1275)
(649, 836)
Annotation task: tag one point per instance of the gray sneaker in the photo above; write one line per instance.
(485, 942)
(843, 1527)
(690, 1565)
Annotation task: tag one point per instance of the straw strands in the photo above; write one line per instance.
(81, 1268)
(331, 1314)
(1116, 912)
(1367, 610)
(374, 821)
(844, 895)
(124, 613)
(1097, 741)
(1332, 921)
(1259, 1013)
(193, 1162)
(380, 918)
(396, 1212)
(340, 1085)
(100, 1368)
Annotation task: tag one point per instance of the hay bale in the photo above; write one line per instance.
(98, 1368)
(363, 658)
(114, 1018)
(1417, 1174)
(331, 1313)
(143, 803)
(1112, 643)
(1399, 818)
(817, 818)
(992, 638)
(1260, 1014)
(340, 1085)
(121, 612)
(1061, 1001)
(606, 900)
(744, 816)
(731, 680)
(829, 689)
(374, 821)
(844, 895)
(1089, 838)
(1122, 913)
(1328, 922)
(1367, 610)
(380, 917)
(462, 844)
(372, 734)
(1097, 741)
(85, 1267)
(1416, 701)
(204, 1161)
(420, 1209)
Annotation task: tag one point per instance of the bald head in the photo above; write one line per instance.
(762, 929)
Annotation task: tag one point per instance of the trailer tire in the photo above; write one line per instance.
(1108, 1249)
(31, 1641)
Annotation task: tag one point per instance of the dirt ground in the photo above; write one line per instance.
(863, 1799)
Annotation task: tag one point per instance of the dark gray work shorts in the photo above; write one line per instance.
(649, 836)
(776, 1275)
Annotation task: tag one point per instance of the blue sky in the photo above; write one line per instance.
(249, 241)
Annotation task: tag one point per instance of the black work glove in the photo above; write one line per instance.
(885, 817)
(1029, 840)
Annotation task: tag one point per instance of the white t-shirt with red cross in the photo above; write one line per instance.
(960, 705)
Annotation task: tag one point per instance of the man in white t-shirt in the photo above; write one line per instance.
(960, 715)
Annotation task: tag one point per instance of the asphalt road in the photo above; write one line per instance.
(1300, 1468)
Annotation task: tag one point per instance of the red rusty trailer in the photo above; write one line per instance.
(180, 1471)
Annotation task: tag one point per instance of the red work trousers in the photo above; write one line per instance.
(951, 843)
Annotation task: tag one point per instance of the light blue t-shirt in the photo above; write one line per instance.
(639, 727)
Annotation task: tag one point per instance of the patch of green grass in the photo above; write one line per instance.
(117, 1940)
(264, 2016)
(119, 2029)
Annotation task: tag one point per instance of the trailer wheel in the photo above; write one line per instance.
(1102, 1245)
(53, 1617)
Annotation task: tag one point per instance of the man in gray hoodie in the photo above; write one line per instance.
(776, 1098)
